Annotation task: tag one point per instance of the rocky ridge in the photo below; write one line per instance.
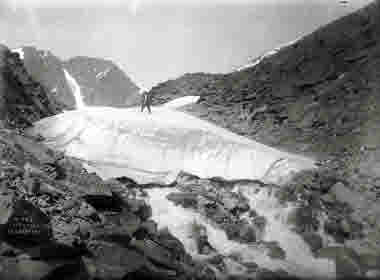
(46, 69)
(102, 82)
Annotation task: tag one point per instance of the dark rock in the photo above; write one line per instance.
(47, 69)
(344, 194)
(313, 240)
(119, 227)
(186, 200)
(303, 219)
(184, 178)
(333, 227)
(28, 223)
(242, 232)
(259, 223)
(104, 202)
(369, 261)
(54, 251)
(110, 261)
(346, 260)
(24, 269)
(275, 251)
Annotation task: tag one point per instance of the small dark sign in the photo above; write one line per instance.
(28, 223)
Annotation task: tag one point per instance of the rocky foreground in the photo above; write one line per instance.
(60, 222)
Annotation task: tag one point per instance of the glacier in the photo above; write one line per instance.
(156, 147)
(182, 101)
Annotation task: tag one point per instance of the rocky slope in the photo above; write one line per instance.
(22, 99)
(59, 222)
(318, 96)
(102, 82)
(46, 69)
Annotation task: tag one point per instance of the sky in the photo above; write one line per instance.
(157, 40)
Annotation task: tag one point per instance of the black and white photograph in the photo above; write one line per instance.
(189, 139)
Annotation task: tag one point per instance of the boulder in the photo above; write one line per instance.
(242, 232)
(186, 200)
(314, 240)
(302, 219)
(274, 250)
(110, 261)
(344, 194)
(346, 260)
(17, 269)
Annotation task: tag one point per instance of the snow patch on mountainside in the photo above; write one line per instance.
(256, 61)
(182, 101)
(20, 52)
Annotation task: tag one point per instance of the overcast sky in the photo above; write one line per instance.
(155, 40)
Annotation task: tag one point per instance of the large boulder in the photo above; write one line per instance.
(346, 260)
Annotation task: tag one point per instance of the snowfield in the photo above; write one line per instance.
(156, 147)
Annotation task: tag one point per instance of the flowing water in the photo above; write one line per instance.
(156, 147)
(75, 89)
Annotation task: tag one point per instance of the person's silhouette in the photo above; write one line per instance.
(146, 101)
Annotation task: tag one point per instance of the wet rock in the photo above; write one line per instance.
(110, 261)
(184, 178)
(302, 219)
(199, 234)
(156, 252)
(87, 211)
(118, 227)
(186, 200)
(139, 207)
(11, 268)
(328, 198)
(313, 240)
(369, 261)
(234, 202)
(32, 185)
(346, 260)
(242, 232)
(373, 274)
(169, 241)
(54, 251)
(8, 250)
(259, 223)
(274, 250)
(149, 227)
(334, 228)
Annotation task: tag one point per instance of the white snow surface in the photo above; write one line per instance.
(257, 60)
(182, 101)
(75, 89)
(20, 51)
(155, 147)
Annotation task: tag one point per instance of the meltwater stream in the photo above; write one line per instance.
(156, 147)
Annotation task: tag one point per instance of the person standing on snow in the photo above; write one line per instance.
(146, 101)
